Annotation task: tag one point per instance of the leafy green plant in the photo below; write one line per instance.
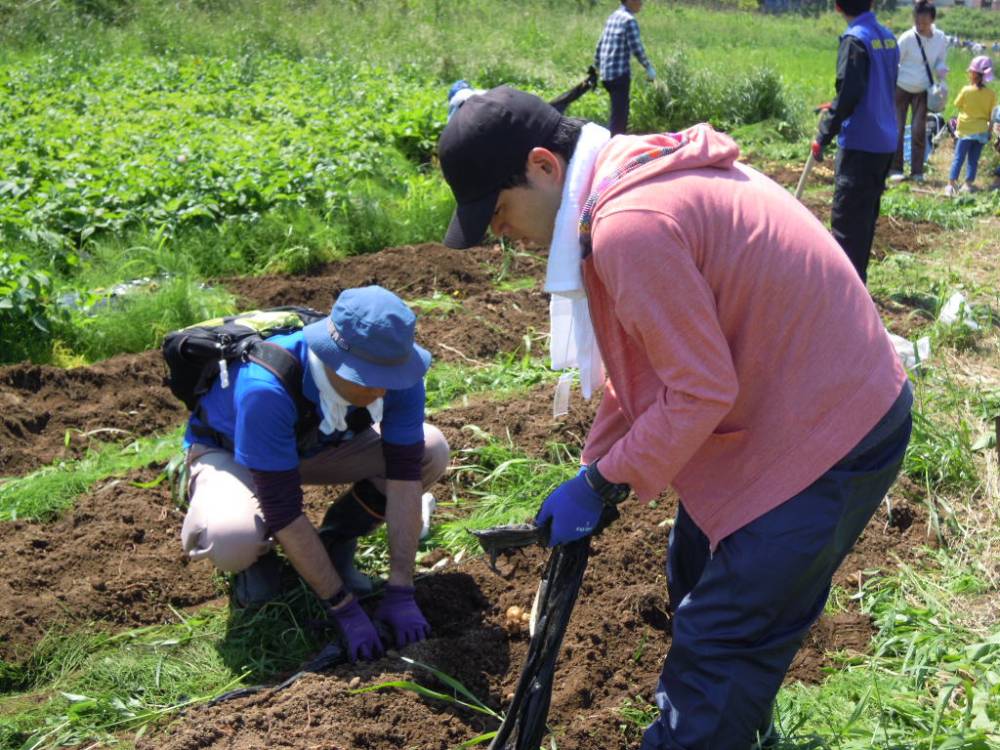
(686, 96)
(25, 325)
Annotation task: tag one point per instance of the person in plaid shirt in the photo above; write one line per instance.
(619, 41)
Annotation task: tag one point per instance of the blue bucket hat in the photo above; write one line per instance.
(368, 339)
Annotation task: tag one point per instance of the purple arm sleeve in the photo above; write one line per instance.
(404, 462)
(280, 496)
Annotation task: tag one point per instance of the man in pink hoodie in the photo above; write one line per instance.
(746, 366)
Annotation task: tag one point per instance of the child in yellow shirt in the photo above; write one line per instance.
(975, 102)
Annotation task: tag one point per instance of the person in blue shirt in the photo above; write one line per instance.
(619, 41)
(362, 377)
(863, 119)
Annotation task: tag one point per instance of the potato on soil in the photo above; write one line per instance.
(516, 619)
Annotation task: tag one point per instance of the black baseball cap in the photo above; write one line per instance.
(486, 143)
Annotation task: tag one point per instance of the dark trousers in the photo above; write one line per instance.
(918, 130)
(742, 612)
(618, 89)
(857, 196)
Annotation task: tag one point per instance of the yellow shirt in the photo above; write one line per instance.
(974, 108)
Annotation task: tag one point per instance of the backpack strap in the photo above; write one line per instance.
(587, 215)
(286, 367)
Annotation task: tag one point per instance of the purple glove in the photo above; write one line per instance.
(399, 610)
(573, 509)
(356, 630)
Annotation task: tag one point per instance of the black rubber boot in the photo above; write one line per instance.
(258, 584)
(342, 557)
(357, 512)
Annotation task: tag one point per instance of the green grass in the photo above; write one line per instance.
(45, 493)
(95, 687)
(498, 485)
(449, 384)
(953, 214)
(140, 320)
(931, 681)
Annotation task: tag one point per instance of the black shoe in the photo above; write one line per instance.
(260, 583)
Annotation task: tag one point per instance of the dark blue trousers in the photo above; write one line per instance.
(618, 89)
(741, 613)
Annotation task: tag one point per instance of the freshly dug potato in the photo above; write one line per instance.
(516, 619)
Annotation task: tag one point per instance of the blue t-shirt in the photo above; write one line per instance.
(259, 416)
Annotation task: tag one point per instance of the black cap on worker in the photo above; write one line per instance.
(486, 143)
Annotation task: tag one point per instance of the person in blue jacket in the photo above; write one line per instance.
(863, 119)
(363, 376)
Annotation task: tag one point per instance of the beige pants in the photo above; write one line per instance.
(224, 522)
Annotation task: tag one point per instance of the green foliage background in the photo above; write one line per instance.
(243, 136)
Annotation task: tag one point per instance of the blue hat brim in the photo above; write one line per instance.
(361, 371)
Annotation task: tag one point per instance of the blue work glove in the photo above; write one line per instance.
(651, 73)
(398, 609)
(573, 511)
(360, 638)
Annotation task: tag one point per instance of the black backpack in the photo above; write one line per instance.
(199, 354)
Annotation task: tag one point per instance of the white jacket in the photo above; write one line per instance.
(912, 73)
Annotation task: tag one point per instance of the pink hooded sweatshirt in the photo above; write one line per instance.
(744, 355)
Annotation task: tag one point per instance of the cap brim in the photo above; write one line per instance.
(470, 222)
(396, 378)
(357, 370)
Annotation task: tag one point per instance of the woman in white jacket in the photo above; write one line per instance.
(922, 49)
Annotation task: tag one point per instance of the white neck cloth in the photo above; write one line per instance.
(572, 342)
(332, 405)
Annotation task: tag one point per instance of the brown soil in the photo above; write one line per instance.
(612, 652)
(894, 235)
(788, 174)
(891, 234)
(903, 319)
(492, 322)
(124, 397)
(112, 401)
(115, 557)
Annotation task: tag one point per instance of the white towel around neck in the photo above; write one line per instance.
(332, 405)
(572, 342)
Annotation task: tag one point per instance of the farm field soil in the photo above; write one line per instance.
(612, 652)
(125, 395)
(114, 559)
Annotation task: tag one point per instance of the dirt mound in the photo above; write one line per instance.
(124, 397)
(114, 401)
(412, 272)
(896, 235)
(612, 653)
(526, 421)
(468, 319)
(899, 529)
(115, 557)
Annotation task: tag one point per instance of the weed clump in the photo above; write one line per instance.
(687, 96)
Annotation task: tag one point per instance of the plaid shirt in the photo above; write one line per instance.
(619, 40)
